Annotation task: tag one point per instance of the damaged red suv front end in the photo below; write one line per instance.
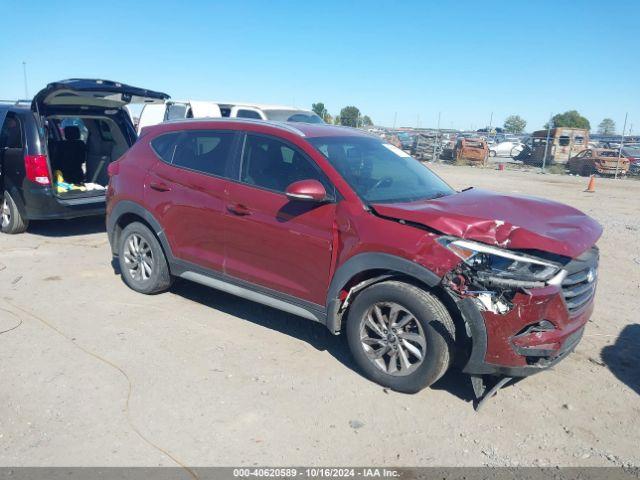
(527, 276)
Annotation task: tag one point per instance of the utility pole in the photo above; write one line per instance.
(436, 143)
(395, 118)
(26, 88)
(546, 145)
(490, 123)
(621, 144)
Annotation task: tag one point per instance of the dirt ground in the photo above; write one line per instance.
(92, 373)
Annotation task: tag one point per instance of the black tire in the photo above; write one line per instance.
(492, 153)
(16, 222)
(436, 324)
(159, 279)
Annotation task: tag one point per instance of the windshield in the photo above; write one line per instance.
(608, 153)
(631, 151)
(292, 116)
(380, 172)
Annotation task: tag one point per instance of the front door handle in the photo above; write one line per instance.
(160, 186)
(239, 209)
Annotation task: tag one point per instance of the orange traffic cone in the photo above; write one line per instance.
(591, 188)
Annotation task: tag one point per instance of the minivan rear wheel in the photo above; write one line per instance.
(143, 265)
(400, 335)
(11, 221)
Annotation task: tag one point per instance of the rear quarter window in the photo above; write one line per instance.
(165, 146)
(11, 132)
(248, 114)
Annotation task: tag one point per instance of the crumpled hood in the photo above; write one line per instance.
(508, 221)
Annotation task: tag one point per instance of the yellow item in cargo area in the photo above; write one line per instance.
(62, 186)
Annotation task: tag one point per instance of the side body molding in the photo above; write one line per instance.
(370, 261)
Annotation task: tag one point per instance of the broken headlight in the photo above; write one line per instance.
(496, 264)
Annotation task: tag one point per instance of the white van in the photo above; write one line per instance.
(174, 110)
(153, 114)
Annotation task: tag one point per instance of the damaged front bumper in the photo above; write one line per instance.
(501, 346)
(536, 328)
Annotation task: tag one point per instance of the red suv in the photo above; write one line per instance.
(339, 227)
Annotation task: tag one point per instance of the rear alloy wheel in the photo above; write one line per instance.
(400, 335)
(143, 264)
(138, 258)
(10, 219)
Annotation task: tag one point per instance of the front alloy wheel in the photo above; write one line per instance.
(400, 335)
(393, 339)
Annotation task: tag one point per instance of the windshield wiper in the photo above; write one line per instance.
(439, 195)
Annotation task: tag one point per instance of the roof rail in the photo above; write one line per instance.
(16, 102)
(273, 123)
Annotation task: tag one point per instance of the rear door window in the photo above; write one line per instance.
(204, 152)
(176, 111)
(11, 133)
(248, 114)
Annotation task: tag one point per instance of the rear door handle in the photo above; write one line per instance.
(238, 209)
(160, 186)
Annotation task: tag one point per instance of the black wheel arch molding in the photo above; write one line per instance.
(129, 207)
(386, 264)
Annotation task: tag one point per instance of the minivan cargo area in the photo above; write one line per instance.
(55, 152)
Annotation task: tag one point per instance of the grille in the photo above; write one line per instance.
(579, 286)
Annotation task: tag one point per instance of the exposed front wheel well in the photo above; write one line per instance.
(362, 280)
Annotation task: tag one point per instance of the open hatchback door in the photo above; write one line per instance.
(92, 93)
(86, 127)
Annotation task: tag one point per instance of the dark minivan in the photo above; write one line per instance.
(55, 150)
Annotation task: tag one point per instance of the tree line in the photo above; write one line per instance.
(350, 116)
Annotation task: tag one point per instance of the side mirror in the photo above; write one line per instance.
(306, 191)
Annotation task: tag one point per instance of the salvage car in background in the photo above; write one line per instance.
(632, 153)
(473, 150)
(506, 148)
(337, 226)
(55, 151)
(598, 160)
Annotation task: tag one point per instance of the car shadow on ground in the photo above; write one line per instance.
(314, 334)
(67, 228)
(623, 357)
(456, 383)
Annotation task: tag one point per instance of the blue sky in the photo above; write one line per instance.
(404, 60)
